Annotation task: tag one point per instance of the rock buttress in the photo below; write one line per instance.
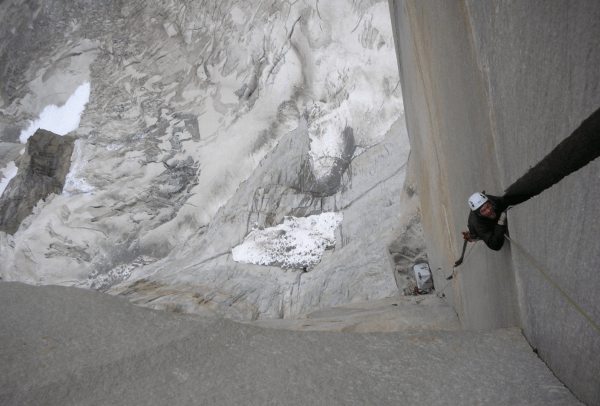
(42, 171)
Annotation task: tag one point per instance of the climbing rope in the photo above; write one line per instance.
(454, 270)
(439, 294)
(554, 283)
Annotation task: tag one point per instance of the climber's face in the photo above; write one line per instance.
(488, 211)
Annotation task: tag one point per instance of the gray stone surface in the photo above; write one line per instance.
(9, 151)
(201, 277)
(173, 166)
(490, 88)
(67, 346)
(43, 169)
(186, 99)
(412, 313)
(452, 160)
(408, 247)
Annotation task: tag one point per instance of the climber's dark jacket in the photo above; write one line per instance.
(488, 229)
(571, 154)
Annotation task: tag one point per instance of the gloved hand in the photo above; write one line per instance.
(467, 236)
(502, 219)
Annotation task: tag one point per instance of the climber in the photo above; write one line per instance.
(487, 219)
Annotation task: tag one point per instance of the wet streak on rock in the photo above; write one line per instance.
(328, 185)
(572, 154)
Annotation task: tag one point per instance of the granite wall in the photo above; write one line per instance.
(490, 88)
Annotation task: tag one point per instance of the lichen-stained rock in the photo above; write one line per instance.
(42, 171)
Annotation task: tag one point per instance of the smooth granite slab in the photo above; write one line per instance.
(68, 346)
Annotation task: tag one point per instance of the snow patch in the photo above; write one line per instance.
(9, 172)
(297, 243)
(61, 120)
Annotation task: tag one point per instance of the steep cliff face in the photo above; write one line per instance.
(490, 89)
(202, 276)
(201, 126)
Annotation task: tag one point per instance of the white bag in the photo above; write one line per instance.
(423, 276)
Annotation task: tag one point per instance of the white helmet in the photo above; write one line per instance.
(477, 200)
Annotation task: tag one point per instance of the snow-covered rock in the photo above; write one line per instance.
(297, 243)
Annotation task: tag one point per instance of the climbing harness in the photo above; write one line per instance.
(468, 237)
(554, 283)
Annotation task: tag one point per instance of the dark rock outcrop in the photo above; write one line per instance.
(42, 171)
